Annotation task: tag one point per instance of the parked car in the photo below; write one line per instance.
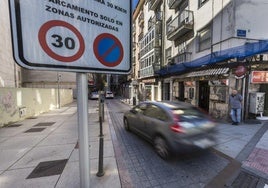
(171, 126)
(94, 95)
(109, 95)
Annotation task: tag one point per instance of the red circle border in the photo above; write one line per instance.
(42, 40)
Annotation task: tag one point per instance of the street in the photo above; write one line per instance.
(140, 166)
(31, 151)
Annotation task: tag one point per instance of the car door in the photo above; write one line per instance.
(155, 120)
(136, 119)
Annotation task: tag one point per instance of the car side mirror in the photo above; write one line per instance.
(133, 111)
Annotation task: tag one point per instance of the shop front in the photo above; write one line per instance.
(149, 89)
(210, 88)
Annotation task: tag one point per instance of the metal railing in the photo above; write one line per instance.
(185, 18)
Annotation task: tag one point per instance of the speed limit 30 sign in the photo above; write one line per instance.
(78, 36)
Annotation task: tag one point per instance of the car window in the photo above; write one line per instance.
(188, 113)
(154, 111)
(140, 108)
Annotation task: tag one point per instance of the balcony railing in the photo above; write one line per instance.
(180, 25)
(174, 3)
(153, 4)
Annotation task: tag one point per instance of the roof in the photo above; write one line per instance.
(208, 72)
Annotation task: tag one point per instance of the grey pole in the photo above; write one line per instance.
(82, 106)
(58, 80)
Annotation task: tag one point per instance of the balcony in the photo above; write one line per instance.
(182, 57)
(173, 4)
(134, 30)
(181, 26)
(140, 35)
(141, 18)
(147, 72)
(156, 20)
(153, 4)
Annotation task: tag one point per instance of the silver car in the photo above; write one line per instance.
(94, 95)
(171, 126)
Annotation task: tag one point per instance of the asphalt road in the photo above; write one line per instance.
(139, 166)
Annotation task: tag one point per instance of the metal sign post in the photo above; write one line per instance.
(74, 36)
(82, 105)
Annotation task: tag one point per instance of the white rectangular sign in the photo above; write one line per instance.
(72, 35)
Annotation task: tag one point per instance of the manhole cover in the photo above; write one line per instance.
(44, 124)
(34, 130)
(48, 168)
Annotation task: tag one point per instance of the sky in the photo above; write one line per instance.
(134, 3)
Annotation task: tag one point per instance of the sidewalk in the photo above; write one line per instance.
(43, 151)
(246, 148)
(50, 141)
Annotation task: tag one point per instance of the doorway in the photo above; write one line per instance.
(204, 95)
(181, 91)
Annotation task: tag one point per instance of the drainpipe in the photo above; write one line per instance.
(246, 99)
(243, 95)
(163, 32)
(171, 89)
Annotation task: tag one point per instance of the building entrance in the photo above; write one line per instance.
(203, 95)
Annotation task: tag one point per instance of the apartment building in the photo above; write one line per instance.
(207, 48)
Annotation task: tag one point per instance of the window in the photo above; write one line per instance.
(140, 108)
(204, 37)
(156, 113)
(167, 23)
(168, 52)
(201, 2)
(168, 55)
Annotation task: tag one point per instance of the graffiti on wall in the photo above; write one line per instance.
(8, 103)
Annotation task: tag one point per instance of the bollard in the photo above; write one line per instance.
(100, 168)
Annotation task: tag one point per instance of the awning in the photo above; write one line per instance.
(208, 72)
(240, 52)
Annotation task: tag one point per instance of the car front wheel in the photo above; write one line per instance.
(126, 124)
(161, 147)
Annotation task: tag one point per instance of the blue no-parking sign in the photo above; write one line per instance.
(70, 35)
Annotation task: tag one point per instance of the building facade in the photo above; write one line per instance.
(207, 48)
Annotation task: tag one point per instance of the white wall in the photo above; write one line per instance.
(251, 15)
(19, 103)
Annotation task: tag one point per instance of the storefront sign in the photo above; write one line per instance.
(149, 81)
(240, 71)
(259, 77)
